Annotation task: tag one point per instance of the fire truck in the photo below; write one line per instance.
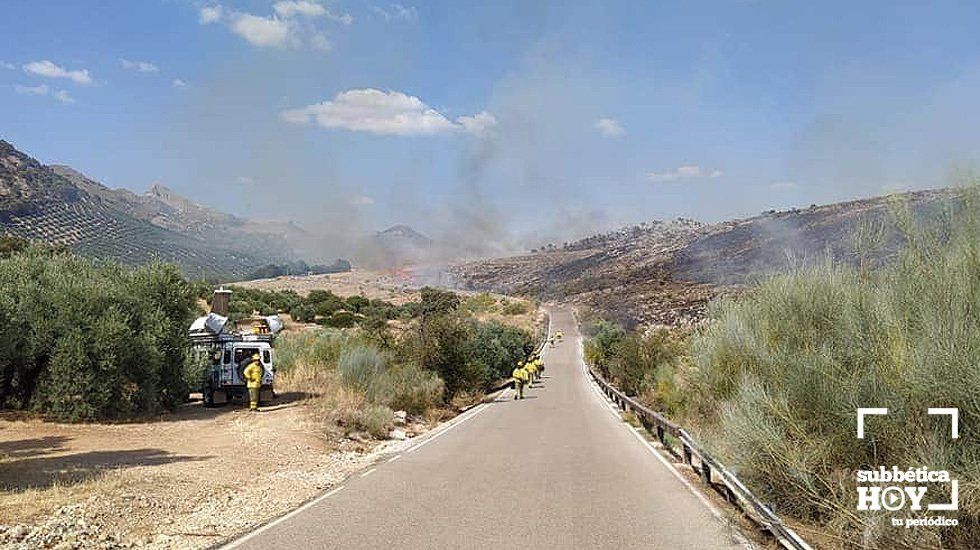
(225, 348)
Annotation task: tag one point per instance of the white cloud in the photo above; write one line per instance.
(684, 172)
(783, 185)
(289, 26)
(6, 65)
(45, 90)
(51, 70)
(478, 124)
(361, 200)
(261, 31)
(395, 12)
(139, 66)
(609, 127)
(307, 8)
(246, 180)
(210, 14)
(291, 8)
(63, 96)
(385, 113)
(178, 83)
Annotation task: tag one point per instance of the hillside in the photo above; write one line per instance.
(58, 205)
(666, 272)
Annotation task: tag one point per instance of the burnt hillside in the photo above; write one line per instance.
(665, 272)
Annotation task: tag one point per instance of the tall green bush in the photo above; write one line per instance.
(779, 375)
(82, 340)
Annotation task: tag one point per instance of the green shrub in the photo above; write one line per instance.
(515, 308)
(376, 420)
(498, 347)
(779, 375)
(603, 337)
(360, 366)
(303, 313)
(357, 303)
(481, 303)
(83, 340)
(408, 388)
(634, 360)
(302, 357)
(339, 319)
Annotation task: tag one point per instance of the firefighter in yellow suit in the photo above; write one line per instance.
(519, 375)
(538, 367)
(253, 381)
(532, 371)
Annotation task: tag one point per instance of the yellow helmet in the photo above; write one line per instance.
(255, 355)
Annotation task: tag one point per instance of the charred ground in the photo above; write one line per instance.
(666, 272)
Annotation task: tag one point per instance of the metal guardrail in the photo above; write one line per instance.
(708, 467)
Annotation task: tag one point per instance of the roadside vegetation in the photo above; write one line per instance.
(773, 382)
(81, 340)
(438, 355)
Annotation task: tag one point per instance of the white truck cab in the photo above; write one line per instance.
(227, 351)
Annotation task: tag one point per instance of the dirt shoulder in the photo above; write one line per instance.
(187, 480)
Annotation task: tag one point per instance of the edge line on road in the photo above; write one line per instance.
(242, 540)
(459, 421)
(431, 436)
(714, 510)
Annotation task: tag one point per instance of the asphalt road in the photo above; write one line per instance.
(556, 470)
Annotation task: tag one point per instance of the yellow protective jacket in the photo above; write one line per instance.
(253, 374)
(519, 375)
(531, 368)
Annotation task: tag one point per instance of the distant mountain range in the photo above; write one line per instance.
(59, 205)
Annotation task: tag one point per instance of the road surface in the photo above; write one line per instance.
(556, 470)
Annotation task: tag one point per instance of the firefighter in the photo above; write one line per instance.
(519, 377)
(538, 366)
(253, 379)
(531, 373)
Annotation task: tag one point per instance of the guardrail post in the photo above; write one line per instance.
(705, 472)
(660, 435)
(687, 454)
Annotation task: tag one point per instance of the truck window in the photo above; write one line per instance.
(266, 357)
(227, 356)
(242, 355)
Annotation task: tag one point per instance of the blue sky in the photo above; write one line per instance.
(504, 122)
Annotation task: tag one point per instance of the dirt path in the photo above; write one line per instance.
(187, 480)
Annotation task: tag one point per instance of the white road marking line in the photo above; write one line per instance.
(653, 450)
(479, 409)
(238, 542)
(459, 420)
(369, 472)
(439, 432)
(715, 511)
